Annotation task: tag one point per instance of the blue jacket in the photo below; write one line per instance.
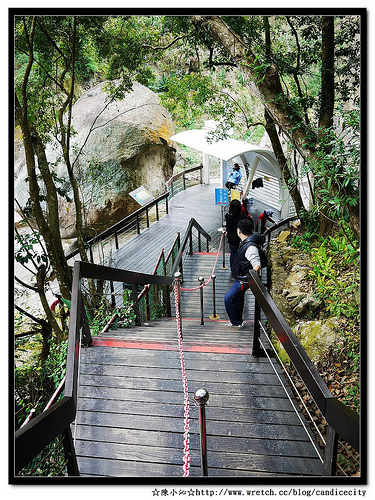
(235, 176)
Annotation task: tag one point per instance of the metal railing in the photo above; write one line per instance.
(172, 186)
(342, 421)
(188, 239)
(124, 224)
(134, 219)
(267, 233)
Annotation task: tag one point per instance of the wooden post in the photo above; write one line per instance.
(256, 343)
(330, 455)
(70, 454)
(136, 304)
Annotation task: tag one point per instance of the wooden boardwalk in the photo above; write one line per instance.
(130, 419)
(131, 412)
(198, 202)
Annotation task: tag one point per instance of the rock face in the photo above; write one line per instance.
(126, 145)
(295, 300)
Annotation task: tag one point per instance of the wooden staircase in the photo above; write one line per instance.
(130, 419)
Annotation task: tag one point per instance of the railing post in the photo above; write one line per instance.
(223, 232)
(330, 454)
(184, 181)
(147, 218)
(214, 315)
(256, 343)
(86, 333)
(113, 298)
(136, 304)
(70, 454)
(91, 254)
(178, 277)
(201, 281)
(116, 240)
(201, 397)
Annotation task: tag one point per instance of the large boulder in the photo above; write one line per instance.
(125, 145)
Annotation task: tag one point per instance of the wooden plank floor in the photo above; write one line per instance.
(130, 409)
(130, 419)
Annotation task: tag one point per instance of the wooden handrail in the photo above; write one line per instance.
(115, 228)
(340, 417)
(186, 239)
(33, 437)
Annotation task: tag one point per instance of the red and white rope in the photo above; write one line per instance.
(186, 458)
(213, 270)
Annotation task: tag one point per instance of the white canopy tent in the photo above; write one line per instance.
(231, 151)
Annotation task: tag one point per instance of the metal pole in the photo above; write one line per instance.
(178, 277)
(201, 280)
(222, 230)
(201, 397)
(214, 315)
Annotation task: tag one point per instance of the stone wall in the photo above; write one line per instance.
(296, 298)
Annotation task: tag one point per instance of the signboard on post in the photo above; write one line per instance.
(221, 196)
(141, 195)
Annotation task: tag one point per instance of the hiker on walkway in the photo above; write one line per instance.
(246, 258)
(244, 208)
(263, 218)
(234, 177)
(231, 220)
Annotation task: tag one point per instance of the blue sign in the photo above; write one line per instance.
(221, 196)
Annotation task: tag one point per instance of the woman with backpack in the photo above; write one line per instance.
(231, 220)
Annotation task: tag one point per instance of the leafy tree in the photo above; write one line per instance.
(299, 67)
(54, 54)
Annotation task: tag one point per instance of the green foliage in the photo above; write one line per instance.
(336, 271)
(308, 236)
(35, 382)
(26, 250)
(336, 167)
(125, 315)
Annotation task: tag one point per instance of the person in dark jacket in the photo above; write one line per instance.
(246, 258)
(231, 220)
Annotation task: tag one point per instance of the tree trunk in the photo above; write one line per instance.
(265, 82)
(283, 164)
(328, 76)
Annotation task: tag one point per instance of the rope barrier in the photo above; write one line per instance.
(213, 270)
(186, 458)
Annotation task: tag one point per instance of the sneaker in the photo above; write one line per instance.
(235, 326)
